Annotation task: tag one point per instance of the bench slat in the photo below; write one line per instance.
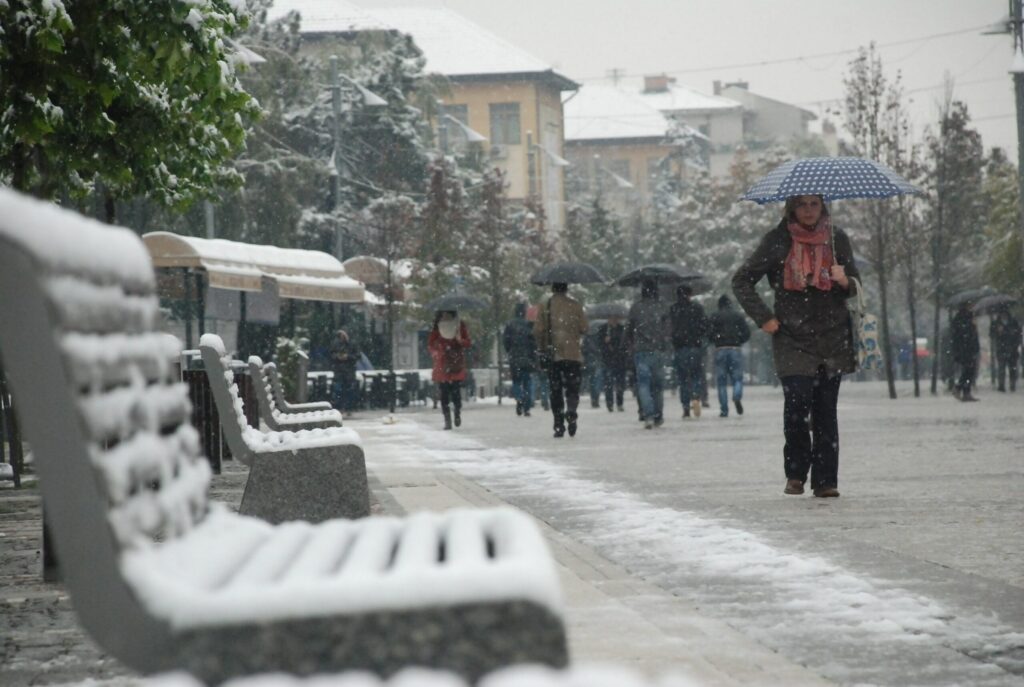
(84, 306)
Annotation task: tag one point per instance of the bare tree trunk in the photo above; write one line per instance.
(912, 307)
(109, 208)
(883, 287)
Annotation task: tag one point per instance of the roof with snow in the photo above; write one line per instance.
(327, 16)
(679, 98)
(601, 111)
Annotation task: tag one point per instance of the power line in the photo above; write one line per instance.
(799, 58)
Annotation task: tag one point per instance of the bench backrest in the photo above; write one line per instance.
(217, 363)
(262, 387)
(119, 464)
(276, 388)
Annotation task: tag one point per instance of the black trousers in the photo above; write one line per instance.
(451, 394)
(614, 385)
(565, 377)
(814, 448)
(1002, 364)
(968, 371)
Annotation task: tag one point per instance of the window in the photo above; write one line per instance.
(654, 167)
(449, 131)
(505, 123)
(620, 168)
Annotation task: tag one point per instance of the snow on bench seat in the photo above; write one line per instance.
(280, 402)
(278, 420)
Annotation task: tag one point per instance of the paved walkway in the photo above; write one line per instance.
(612, 616)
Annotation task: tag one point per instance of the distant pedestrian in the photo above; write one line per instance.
(448, 342)
(810, 267)
(521, 349)
(966, 348)
(647, 336)
(728, 331)
(560, 324)
(593, 369)
(344, 356)
(1006, 338)
(611, 337)
(689, 329)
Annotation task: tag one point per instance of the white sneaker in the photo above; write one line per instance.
(695, 408)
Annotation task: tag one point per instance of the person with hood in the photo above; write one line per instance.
(689, 327)
(1006, 337)
(447, 343)
(966, 348)
(344, 356)
(646, 334)
(810, 267)
(521, 349)
(560, 324)
(611, 337)
(728, 331)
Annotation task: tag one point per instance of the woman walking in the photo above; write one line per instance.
(447, 344)
(810, 267)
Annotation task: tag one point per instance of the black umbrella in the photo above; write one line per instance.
(568, 273)
(602, 311)
(659, 272)
(996, 302)
(971, 296)
(456, 301)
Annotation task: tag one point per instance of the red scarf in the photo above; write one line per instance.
(810, 257)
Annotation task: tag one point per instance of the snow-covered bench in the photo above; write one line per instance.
(308, 474)
(279, 420)
(273, 376)
(163, 579)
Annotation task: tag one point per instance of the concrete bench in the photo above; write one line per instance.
(307, 474)
(291, 419)
(271, 373)
(162, 578)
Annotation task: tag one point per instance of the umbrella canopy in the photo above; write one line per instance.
(661, 273)
(568, 273)
(992, 303)
(456, 301)
(971, 296)
(833, 178)
(602, 311)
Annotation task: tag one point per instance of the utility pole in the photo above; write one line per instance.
(339, 166)
(1017, 69)
(211, 227)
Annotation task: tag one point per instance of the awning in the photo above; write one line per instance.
(300, 274)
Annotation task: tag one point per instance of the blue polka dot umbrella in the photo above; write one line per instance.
(833, 178)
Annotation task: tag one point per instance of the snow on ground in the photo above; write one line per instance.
(786, 599)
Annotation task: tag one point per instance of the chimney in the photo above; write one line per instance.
(738, 84)
(658, 83)
(716, 87)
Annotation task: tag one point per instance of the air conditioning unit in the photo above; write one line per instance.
(498, 152)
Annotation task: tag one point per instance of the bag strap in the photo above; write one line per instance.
(861, 307)
(550, 342)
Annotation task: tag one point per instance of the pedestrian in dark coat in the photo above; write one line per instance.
(647, 333)
(1006, 336)
(560, 324)
(689, 329)
(344, 356)
(966, 349)
(521, 349)
(728, 331)
(448, 342)
(611, 336)
(810, 267)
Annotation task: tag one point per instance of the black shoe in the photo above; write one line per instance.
(595, 404)
(739, 406)
(559, 432)
(686, 412)
(519, 409)
(621, 409)
(611, 409)
(526, 413)
(724, 413)
(572, 428)
(458, 418)
(705, 404)
(659, 421)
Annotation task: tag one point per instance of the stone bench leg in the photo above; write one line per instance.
(314, 485)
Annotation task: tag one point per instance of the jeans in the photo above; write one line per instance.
(522, 387)
(565, 377)
(543, 388)
(595, 382)
(650, 383)
(1003, 363)
(614, 386)
(690, 372)
(729, 368)
(814, 448)
(344, 392)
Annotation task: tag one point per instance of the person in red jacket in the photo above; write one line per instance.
(447, 344)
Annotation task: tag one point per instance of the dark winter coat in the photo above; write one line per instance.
(689, 324)
(815, 326)
(1006, 336)
(727, 327)
(449, 355)
(520, 345)
(964, 332)
(647, 329)
(344, 356)
(614, 349)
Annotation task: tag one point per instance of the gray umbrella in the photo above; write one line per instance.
(659, 272)
(971, 296)
(568, 273)
(991, 303)
(602, 311)
(456, 301)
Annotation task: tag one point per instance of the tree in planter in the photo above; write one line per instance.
(871, 98)
(130, 98)
(955, 162)
(387, 221)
